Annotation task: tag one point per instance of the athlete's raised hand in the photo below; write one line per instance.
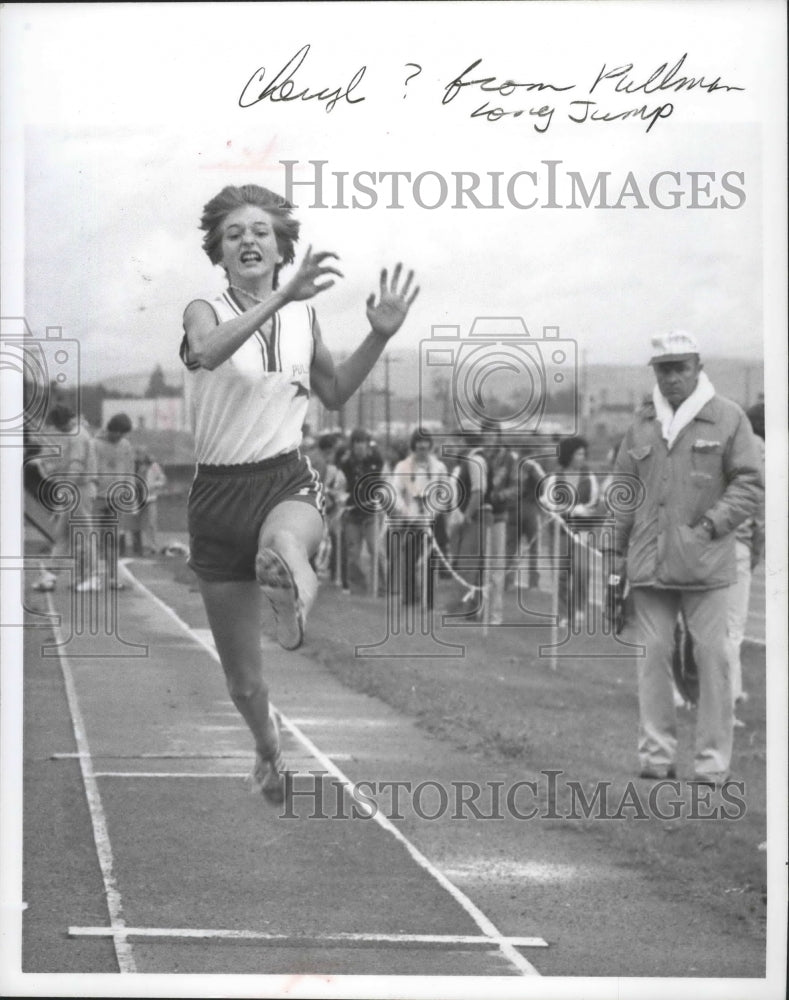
(307, 282)
(387, 315)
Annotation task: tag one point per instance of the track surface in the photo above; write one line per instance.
(145, 851)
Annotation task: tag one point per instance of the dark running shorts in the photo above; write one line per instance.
(229, 503)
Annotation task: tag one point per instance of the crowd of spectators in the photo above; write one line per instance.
(477, 506)
(506, 507)
(101, 480)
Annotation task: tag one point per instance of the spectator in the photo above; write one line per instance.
(471, 475)
(78, 459)
(335, 491)
(573, 475)
(503, 476)
(147, 521)
(696, 457)
(527, 521)
(361, 526)
(115, 465)
(412, 477)
(749, 549)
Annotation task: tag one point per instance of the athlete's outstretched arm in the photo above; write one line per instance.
(211, 343)
(334, 385)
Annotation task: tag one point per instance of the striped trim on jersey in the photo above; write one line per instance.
(269, 348)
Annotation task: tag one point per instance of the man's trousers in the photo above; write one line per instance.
(655, 617)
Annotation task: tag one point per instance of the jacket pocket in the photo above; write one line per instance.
(689, 559)
(706, 458)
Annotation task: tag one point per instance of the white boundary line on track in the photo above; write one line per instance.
(101, 837)
(241, 755)
(171, 774)
(313, 940)
(487, 927)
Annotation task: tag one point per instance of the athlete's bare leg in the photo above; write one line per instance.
(235, 614)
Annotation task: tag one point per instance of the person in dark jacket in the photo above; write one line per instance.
(361, 526)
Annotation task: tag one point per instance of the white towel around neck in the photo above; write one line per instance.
(673, 422)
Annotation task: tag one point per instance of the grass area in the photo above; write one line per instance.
(506, 706)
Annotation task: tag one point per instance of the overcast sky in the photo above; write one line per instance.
(132, 122)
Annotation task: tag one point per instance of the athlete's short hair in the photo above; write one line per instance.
(286, 228)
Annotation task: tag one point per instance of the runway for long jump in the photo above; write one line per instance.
(146, 852)
(201, 875)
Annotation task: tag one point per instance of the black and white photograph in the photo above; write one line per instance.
(394, 499)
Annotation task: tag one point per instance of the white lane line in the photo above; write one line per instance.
(484, 923)
(171, 774)
(98, 820)
(301, 769)
(315, 940)
(241, 755)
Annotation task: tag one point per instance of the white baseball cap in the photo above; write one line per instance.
(674, 346)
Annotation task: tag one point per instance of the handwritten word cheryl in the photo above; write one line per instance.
(281, 87)
(661, 79)
(489, 84)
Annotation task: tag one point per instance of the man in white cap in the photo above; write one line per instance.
(699, 475)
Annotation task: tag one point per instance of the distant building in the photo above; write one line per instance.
(164, 413)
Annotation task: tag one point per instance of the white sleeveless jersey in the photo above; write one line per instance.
(254, 404)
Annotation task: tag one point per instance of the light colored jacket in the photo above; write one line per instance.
(411, 479)
(115, 462)
(751, 531)
(713, 470)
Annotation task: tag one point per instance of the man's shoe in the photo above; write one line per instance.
(652, 774)
(46, 584)
(90, 586)
(713, 781)
(290, 599)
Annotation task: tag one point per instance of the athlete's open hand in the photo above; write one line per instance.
(307, 281)
(387, 316)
